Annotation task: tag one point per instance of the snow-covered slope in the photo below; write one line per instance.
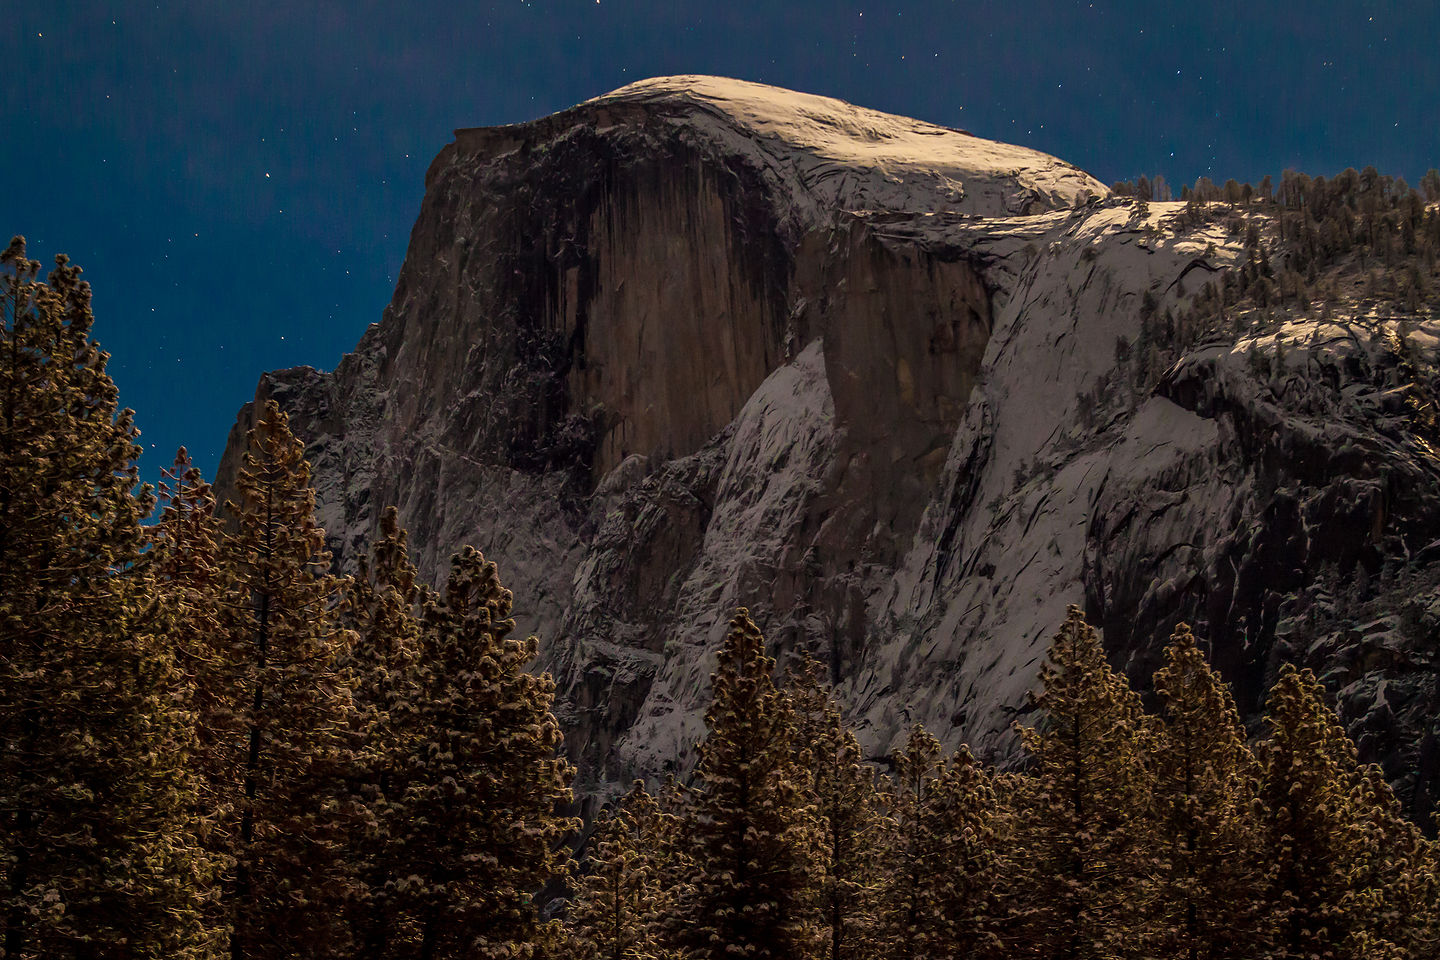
(854, 158)
(701, 343)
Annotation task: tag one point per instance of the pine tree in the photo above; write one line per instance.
(199, 587)
(195, 579)
(1209, 830)
(752, 832)
(844, 802)
(1353, 879)
(846, 805)
(1393, 891)
(911, 916)
(940, 857)
(1309, 775)
(1011, 906)
(288, 887)
(975, 831)
(97, 854)
(380, 605)
(666, 833)
(1085, 839)
(606, 918)
(482, 835)
(613, 915)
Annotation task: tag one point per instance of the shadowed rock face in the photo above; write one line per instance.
(586, 307)
(700, 344)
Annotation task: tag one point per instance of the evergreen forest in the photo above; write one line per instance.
(213, 746)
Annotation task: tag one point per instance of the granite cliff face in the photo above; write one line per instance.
(702, 343)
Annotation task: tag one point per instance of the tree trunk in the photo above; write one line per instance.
(243, 880)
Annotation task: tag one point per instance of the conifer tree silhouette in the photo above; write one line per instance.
(1394, 892)
(200, 587)
(666, 833)
(940, 856)
(485, 786)
(1085, 837)
(99, 853)
(612, 916)
(291, 813)
(752, 831)
(1210, 835)
(845, 803)
(381, 665)
(1345, 863)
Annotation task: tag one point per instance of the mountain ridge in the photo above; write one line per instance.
(655, 367)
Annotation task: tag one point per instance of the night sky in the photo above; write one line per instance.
(239, 179)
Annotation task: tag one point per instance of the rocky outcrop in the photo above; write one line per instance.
(700, 343)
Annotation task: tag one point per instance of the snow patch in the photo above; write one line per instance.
(856, 158)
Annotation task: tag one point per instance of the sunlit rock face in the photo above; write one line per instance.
(702, 343)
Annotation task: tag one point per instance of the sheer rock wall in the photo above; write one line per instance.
(702, 344)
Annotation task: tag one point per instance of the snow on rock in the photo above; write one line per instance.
(701, 343)
(771, 467)
(1002, 550)
(853, 158)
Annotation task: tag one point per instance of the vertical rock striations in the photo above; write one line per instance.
(701, 343)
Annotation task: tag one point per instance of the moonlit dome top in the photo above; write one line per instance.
(901, 149)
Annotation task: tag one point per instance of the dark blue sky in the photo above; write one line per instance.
(239, 179)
